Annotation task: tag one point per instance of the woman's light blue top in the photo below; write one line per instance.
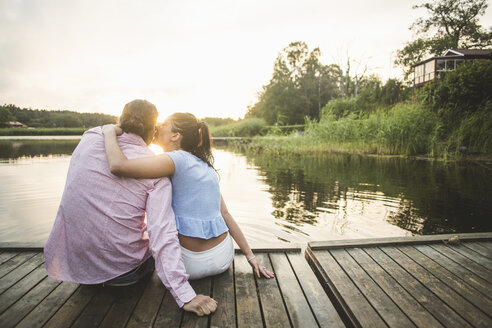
(196, 197)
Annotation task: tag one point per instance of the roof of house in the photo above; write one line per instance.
(460, 52)
(472, 52)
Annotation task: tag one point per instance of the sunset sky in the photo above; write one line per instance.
(206, 57)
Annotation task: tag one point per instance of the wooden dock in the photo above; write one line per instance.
(395, 282)
(408, 282)
(28, 298)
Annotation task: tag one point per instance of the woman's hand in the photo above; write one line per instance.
(258, 268)
(109, 128)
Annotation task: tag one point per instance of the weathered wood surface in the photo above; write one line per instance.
(295, 298)
(403, 283)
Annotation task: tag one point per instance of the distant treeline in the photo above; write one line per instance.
(41, 118)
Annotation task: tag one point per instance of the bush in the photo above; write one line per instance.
(243, 128)
(340, 107)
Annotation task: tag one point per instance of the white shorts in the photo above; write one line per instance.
(210, 262)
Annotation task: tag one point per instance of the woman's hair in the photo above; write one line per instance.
(139, 117)
(196, 138)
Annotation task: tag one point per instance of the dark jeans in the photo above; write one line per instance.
(133, 276)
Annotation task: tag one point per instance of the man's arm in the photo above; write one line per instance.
(165, 248)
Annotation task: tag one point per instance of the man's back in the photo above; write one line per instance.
(99, 232)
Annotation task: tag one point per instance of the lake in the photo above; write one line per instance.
(277, 199)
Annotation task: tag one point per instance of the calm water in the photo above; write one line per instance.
(277, 199)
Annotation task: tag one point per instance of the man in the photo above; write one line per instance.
(100, 234)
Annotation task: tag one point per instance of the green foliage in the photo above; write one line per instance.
(339, 108)
(42, 132)
(450, 24)
(243, 128)
(300, 86)
(5, 115)
(217, 121)
(460, 93)
(52, 118)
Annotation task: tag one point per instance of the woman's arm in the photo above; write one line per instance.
(141, 168)
(241, 241)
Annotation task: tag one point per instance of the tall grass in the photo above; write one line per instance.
(406, 129)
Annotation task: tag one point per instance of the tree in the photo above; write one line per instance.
(5, 115)
(450, 24)
(300, 86)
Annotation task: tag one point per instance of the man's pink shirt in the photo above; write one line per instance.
(100, 231)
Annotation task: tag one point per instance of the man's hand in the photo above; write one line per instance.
(110, 128)
(201, 305)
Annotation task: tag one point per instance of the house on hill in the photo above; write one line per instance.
(429, 69)
(13, 125)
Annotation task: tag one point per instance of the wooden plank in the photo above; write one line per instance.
(472, 255)
(94, 313)
(29, 301)
(7, 255)
(462, 288)
(272, 305)
(223, 293)
(478, 269)
(71, 309)
(469, 312)
(169, 315)
(464, 273)
(22, 246)
(324, 311)
(441, 311)
(273, 248)
(348, 297)
(43, 312)
(147, 307)
(486, 244)
(21, 271)
(373, 242)
(248, 307)
(201, 286)
(11, 295)
(480, 249)
(386, 308)
(297, 306)
(409, 305)
(15, 262)
(126, 299)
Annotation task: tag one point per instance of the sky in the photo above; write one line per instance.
(210, 58)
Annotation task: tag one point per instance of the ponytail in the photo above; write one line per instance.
(197, 139)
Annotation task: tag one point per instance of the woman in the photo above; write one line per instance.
(204, 224)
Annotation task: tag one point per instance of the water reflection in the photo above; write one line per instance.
(277, 198)
(419, 196)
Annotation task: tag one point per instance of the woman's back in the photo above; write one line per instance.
(196, 197)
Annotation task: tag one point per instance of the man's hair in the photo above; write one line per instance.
(139, 117)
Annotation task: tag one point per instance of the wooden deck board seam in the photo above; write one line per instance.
(280, 291)
(303, 294)
(61, 305)
(382, 289)
(234, 289)
(430, 290)
(454, 275)
(17, 266)
(346, 314)
(259, 298)
(403, 287)
(454, 260)
(467, 257)
(34, 307)
(356, 286)
(6, 309)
